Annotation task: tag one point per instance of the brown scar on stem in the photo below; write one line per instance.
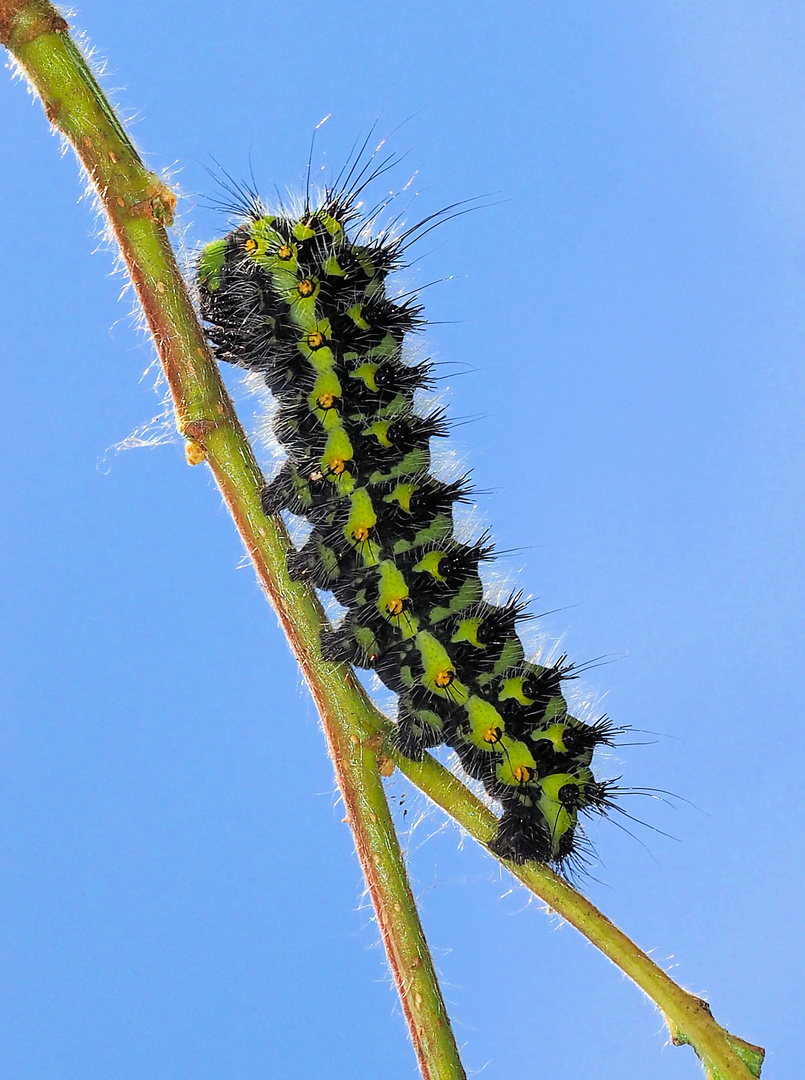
(52, 110)
(49, 22)
(158, 205)
(197, 429)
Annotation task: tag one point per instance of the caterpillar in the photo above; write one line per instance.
(302, 300)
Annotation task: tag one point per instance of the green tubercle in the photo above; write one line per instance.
(439, 675)
(487, 726)
(392, 600)
(210, 264)
(517, 767)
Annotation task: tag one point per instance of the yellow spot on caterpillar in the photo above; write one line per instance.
(438, 675)
(336, 466)
(396, 606)
(306, 287)
(325, 401)
(522, 774)
(316, 339)
(194, 452)
(285, 252)
(486, 723)
(250, 247)
(361, 521)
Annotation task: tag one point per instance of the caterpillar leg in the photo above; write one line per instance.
(521, 836)
(279, 493)
(417, 730)
(315, 564)
(348, 645)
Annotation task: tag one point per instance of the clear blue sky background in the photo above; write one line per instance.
(178, 897)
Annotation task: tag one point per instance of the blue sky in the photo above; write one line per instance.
(178, 897)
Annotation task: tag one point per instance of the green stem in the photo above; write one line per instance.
(688, 1017)
(139, 206)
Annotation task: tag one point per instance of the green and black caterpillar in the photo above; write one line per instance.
(301, 300)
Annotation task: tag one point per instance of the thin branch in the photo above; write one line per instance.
(139, 206)
(688, 1017)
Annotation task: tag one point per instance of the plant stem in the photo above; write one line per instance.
(139, 207)
(688, 1017)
